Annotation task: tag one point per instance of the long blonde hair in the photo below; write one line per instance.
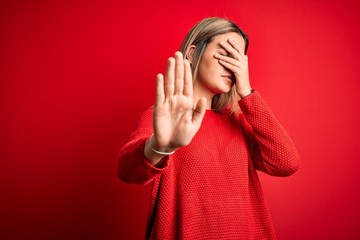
(200, 35)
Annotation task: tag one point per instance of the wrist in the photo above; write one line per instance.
(159, 151)
(151, 156)
(245, 93)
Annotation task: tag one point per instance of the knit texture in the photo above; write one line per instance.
(210, 189)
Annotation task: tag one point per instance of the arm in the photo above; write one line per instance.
(272, 150)
(133, 164)
(174, 121)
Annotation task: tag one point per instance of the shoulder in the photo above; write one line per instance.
(145, 119)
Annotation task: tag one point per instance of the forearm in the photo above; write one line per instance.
(133, 165)
(275, 153)
(153, 157)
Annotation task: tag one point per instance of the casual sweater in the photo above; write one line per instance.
(210, 189)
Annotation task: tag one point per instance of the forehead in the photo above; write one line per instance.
(224, 37)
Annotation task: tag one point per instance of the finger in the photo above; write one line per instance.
(234, 53)
(236, 46)
(188, 84)
(179, 72)
(199, 112)
(160, 96)
(229, 66)
(227, 59)
(169, 77)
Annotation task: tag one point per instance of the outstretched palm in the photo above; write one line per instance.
(175, 120)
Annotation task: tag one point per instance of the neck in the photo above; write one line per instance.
(199, 92)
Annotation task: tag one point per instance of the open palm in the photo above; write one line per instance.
(175, 120)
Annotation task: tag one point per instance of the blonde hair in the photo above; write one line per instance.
(200, 35)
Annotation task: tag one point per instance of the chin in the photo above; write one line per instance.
(222, 91)
(225, 89)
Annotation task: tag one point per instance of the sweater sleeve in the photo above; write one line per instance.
(272, 150)
(133, 167)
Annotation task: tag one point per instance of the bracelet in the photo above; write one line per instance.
(251, 92)
(156, 151)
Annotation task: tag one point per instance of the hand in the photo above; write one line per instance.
(175, 121)
(237, 63)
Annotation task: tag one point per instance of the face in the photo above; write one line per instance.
(211, 74)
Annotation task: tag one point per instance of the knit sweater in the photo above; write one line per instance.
(210, 189)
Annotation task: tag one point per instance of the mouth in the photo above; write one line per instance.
(230, 77)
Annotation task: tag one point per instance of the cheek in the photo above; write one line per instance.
(209, 68)
(211, 65)
(206, 70)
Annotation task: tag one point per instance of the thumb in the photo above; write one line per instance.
(199, 111)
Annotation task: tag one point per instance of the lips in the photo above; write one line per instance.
(229, 77)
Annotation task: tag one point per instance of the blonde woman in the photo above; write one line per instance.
(202, 143)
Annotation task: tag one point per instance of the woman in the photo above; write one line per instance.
(204, 139)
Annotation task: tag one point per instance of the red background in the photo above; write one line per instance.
(75, 76)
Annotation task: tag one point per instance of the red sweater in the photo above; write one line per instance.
(210, 189)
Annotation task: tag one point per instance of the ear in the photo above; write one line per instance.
(189, 53)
